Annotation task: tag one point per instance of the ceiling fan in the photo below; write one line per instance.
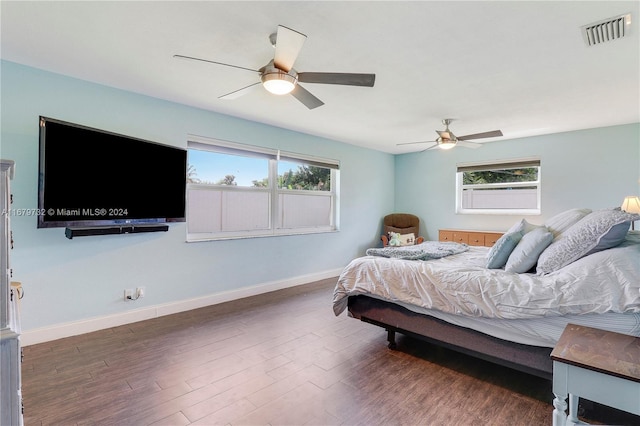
(279, 77)
(447, 140)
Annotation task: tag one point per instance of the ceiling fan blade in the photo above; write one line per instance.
(348, 79)
(288, 45)
(431, 147)
(414, 143)
(304, 96)
(237, 93)
(469, 144)
(446, 134)
(191, 58)
(491, 134)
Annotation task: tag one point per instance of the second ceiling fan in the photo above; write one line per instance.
(447, 140)
(279, 77)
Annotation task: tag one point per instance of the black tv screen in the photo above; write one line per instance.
(91, 177)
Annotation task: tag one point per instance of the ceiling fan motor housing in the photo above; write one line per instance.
(277, 81)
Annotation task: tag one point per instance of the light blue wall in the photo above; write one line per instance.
(71, 280)
(593, 168)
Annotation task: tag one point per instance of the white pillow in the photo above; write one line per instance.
(525, 255)
(523, 227)
(585, 236)
(563, 221)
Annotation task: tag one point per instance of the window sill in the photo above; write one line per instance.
(519, 212)
(196, 238)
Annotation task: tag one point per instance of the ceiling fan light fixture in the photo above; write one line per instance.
(447, 144)
(279, 82)
(447, 140)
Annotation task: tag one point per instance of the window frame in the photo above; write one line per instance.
(493, 165)
(275, 193)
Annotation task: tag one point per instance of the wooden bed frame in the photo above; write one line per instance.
(394, 318)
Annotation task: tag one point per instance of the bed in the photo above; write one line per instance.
(513, 318)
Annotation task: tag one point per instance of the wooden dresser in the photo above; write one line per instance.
(473, 238)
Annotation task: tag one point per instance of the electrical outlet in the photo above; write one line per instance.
(128, 294)
(140, 292)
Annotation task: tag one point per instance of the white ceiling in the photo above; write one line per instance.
(522, 67)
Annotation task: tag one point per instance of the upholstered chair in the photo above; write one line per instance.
(401, 223)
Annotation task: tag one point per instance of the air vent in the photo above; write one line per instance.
(607, 30)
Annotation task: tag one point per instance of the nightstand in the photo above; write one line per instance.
(598, 365)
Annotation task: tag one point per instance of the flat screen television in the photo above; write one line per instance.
(92, 178)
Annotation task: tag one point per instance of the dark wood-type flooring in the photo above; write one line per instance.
(281, 358)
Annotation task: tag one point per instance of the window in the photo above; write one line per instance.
(239, 191)
(509, 187)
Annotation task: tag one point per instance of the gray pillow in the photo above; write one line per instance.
(599, 230)
(501, 250)
(614, 237)
(525, 255)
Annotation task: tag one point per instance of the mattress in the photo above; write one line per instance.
(544, 331)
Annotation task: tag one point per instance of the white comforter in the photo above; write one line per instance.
(608, 281)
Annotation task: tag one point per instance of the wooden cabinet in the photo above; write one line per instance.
(10, 351)
(445, 235)
(473, 238)
(490, 238)
(460, 237)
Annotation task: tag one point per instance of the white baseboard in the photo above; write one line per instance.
(59, 331)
